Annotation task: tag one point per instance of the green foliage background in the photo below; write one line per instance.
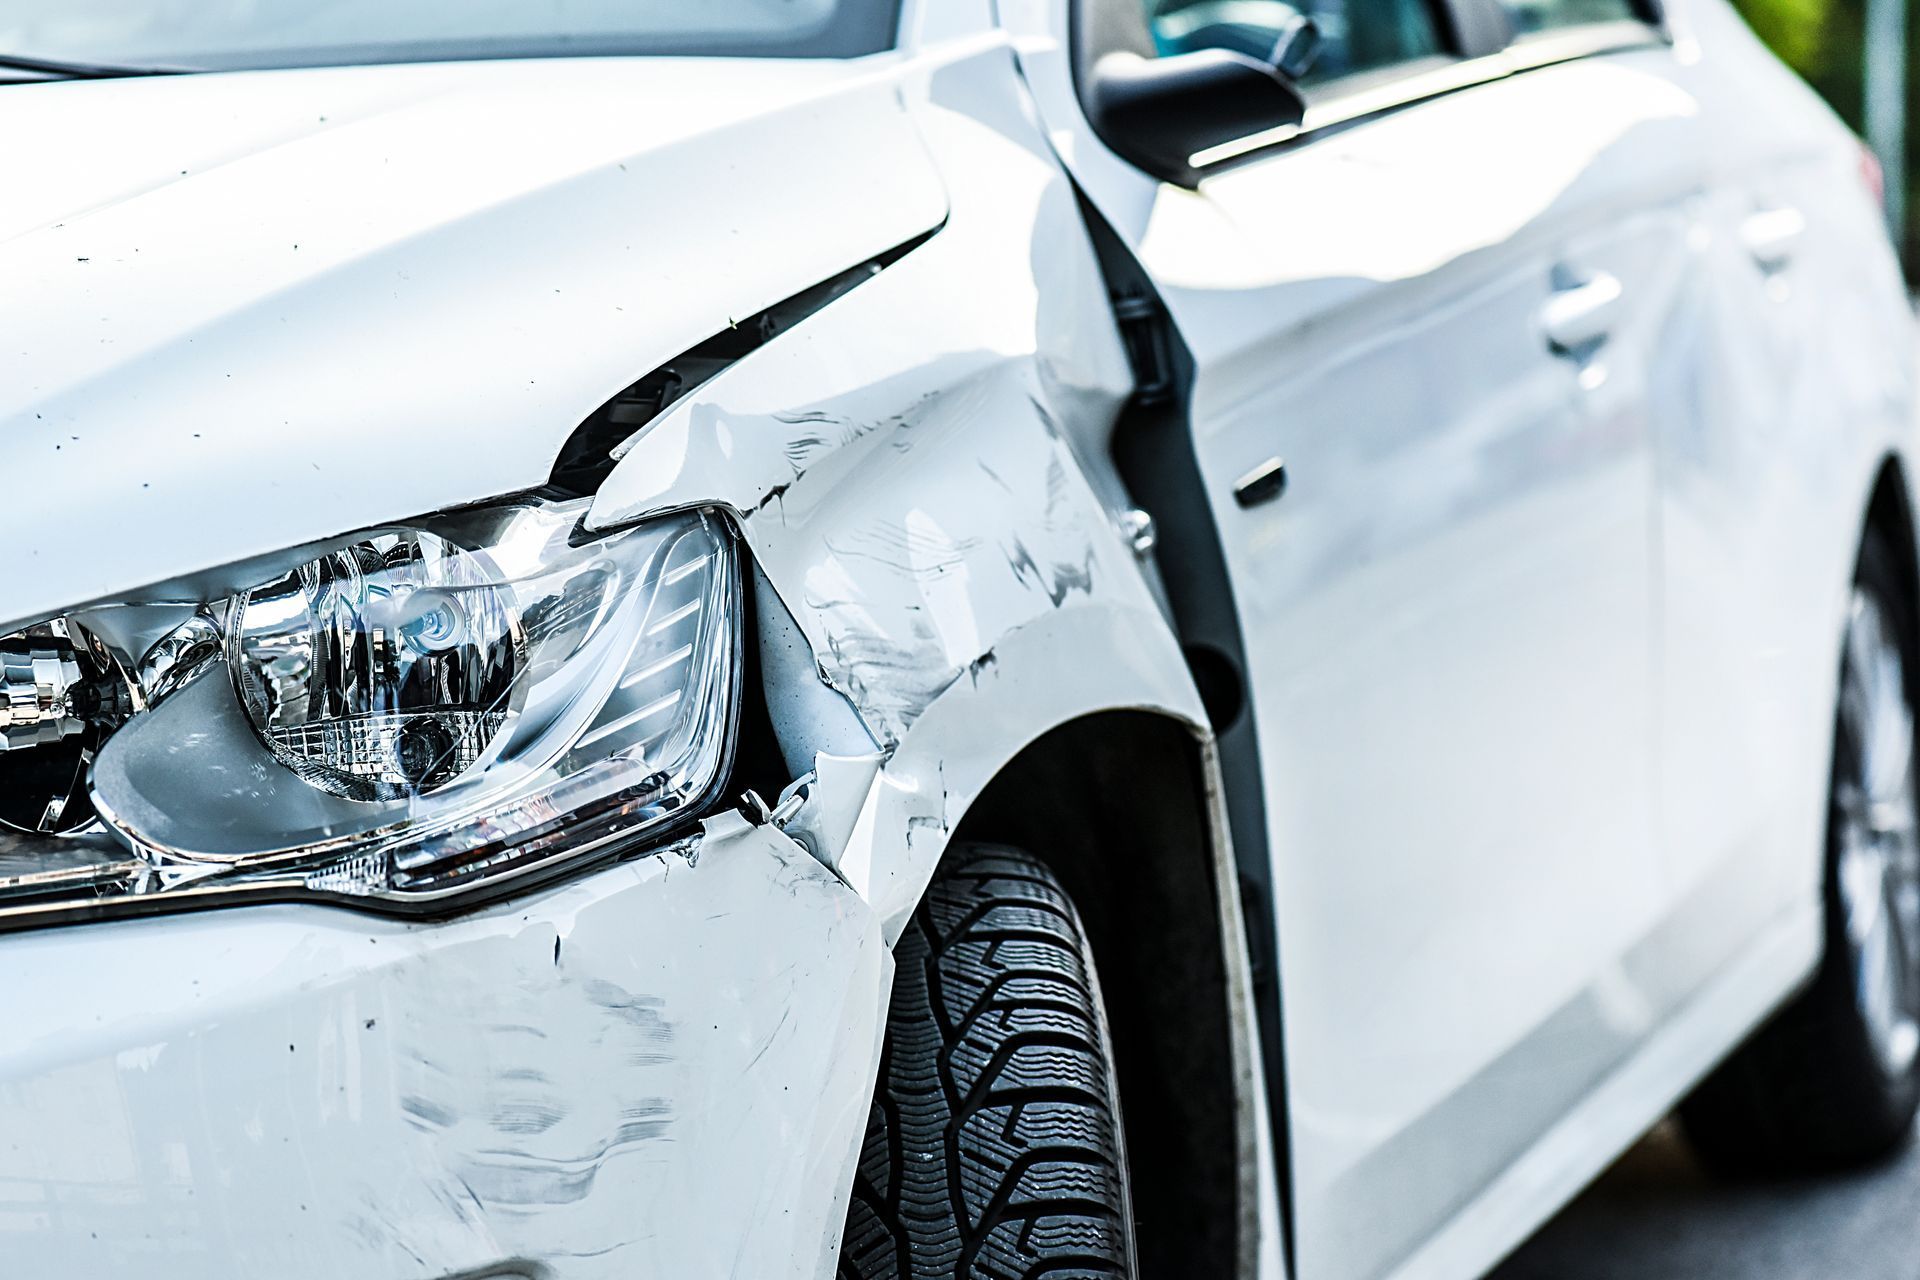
(1818, 38)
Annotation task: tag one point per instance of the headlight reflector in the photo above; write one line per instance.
(383, 669)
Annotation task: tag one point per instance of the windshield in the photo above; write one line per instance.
(224, 35)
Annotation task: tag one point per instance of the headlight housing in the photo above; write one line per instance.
(413, 716)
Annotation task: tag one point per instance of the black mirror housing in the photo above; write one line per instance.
(1161, 112)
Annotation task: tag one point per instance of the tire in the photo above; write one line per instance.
(1833, 1080)
(994, 1146)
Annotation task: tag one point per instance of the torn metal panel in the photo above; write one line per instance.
(809, 716)
(921, 471)
(968, 734)
(601, 1081)
(834, 797)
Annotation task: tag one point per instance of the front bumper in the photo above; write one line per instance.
(661, 1069)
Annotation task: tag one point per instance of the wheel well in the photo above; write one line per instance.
(1116, 804)
(1890, 513)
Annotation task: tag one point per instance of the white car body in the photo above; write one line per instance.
(1540, 650)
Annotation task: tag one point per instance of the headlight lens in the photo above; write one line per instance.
(418, 714)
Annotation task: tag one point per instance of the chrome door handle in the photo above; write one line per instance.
(1579, 317)
(1772, 235)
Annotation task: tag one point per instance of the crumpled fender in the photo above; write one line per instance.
(921, 470)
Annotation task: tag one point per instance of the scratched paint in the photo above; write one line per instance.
(922, 472)
(690, 1063)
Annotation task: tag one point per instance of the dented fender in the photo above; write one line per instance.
(921, 471)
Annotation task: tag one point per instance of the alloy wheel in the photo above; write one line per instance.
(1878, 832)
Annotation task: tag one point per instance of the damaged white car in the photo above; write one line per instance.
(610, 608)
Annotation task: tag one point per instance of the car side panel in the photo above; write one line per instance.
(1800, 385)
(1447, 614)
(1450, 630)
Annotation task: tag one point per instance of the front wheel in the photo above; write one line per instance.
(994, 1147)
(1835, 1078)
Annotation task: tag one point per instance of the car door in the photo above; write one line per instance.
(1799, 305)
(1424, 335)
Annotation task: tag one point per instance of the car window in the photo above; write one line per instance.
(1530, 16)
(1355, 35)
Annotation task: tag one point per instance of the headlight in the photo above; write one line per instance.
(415, 715)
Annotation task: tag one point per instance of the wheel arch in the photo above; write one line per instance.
(1121, 804)
(1889, 512)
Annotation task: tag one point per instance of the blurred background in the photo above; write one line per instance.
(1855, 53)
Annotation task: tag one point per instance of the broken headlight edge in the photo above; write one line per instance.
(413, 719)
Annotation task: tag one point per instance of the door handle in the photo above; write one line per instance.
(1772, 235)
(1579, 317)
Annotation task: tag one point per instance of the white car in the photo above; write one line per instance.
(610, 606)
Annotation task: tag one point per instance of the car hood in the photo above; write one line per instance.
(241, 312)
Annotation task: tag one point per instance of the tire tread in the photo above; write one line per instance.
(993, 1148)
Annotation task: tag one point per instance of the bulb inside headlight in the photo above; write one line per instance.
(419, 713)
(61, 692)
(384, 669)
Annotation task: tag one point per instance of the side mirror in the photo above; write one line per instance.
(1161, 112)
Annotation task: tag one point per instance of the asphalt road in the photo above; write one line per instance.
(1658, 1215)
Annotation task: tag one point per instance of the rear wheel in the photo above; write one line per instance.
(1835, 1078)
(994, 1146)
